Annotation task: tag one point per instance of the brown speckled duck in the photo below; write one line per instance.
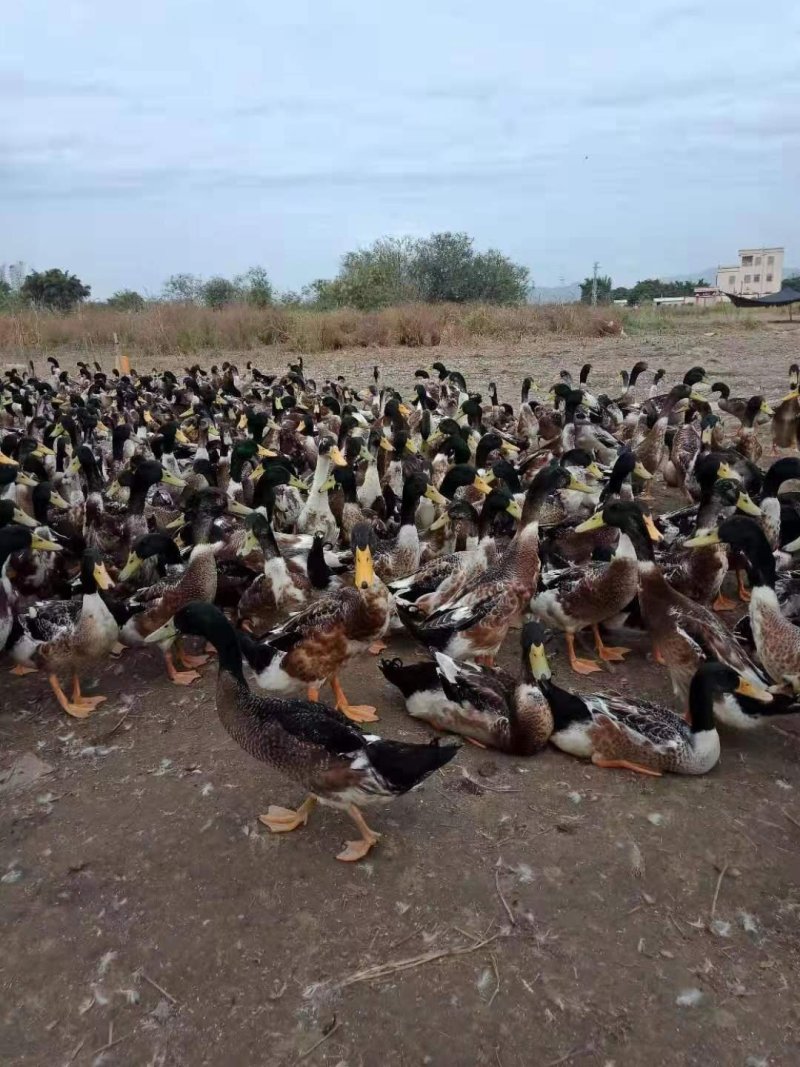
(307, 741)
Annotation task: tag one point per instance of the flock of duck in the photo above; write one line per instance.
(295, 525)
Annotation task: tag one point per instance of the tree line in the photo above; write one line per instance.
(641, 293)
(444, 267)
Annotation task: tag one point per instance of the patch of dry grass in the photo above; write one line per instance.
(170, 328)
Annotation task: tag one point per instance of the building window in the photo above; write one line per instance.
(747, 261)
(770, 261)
(731, 279)
(756, 277)
(747, 279)
(758, 261)
(769, 277)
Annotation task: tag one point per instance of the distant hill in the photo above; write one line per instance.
(556, 294)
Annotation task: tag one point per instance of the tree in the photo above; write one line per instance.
(604, 285)
(447, 268)
(54, 289)
(651, 287)
(793, 282)
(620, 293)
(217, 292)
(256, 287)
(442, 267)
(496, 280)
(182, 288)
(126, 300)
(291, 299)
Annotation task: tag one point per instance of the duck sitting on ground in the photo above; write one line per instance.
(639, 735)
(485, 705)
(308, 741)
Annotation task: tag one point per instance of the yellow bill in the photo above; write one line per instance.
(747, 689)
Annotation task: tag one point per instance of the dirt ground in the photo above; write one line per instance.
(516, 912)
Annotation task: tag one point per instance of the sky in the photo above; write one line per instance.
(140, 140)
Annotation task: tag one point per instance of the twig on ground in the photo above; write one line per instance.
(488, 788)
(112, 1042)
(578, 1050)
(493, 958)
(503, 900)
(101, 738)
(382, 970)
(160, 989)
(402, 941)
(716, 891)
(791, 818)
(308, 1051)
(76, 1050)
(676, 924)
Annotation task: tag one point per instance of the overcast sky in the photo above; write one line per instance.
(137, 140)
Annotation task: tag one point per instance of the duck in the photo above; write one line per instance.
(485, 705)
(282, 585)
(747, 440)
(554, 496)
(73, 637)
(777, 639)
(15, 538)
(399, 556)
(444, 577)
(313, 645)
(642, 736)
(474, 625)
(781, 511)
(786, 417)
(684, 633)
(699, 573)
(316, 513)
(197, 582)
(311, 743)
(651, 451)
(588, 597)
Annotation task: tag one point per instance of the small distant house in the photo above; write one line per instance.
(759, 272)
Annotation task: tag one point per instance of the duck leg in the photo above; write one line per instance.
(357, 850)
(77, 698)
(77, 711)
(376, 648)
(723, 603)
(356, 712)
(485, 661)
(20, 670)
(185, 660)
(175, 676)
(580, 666)
(283, 820)
(744, 592)
(623, 764)
(609, 653)
(312, 694)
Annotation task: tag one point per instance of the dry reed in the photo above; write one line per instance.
(162, 329)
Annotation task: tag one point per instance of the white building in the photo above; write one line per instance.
(758, 272)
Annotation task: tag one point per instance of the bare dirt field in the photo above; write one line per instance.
(516, 912)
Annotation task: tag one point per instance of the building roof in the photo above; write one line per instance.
(746, 251)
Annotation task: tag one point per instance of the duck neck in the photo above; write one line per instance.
(701, 704)
(408, 509)
(321, 473)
